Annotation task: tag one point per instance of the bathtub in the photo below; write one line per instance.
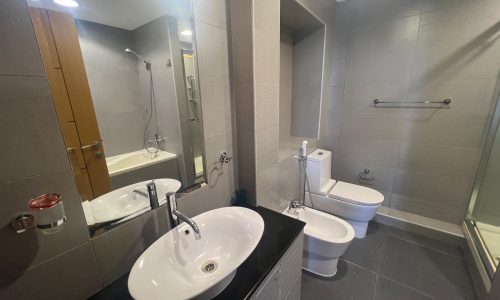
(326, 238)
(128, 168)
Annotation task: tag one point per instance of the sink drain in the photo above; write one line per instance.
(209, 266)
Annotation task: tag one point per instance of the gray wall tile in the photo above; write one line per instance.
(33, 247)
(195, 203)
(30, 129)
(413, 50)
(19, 55)
(211, 12)
(72, 275)
(440, 197)
(245, 108)
(114, 83)
(117, 250)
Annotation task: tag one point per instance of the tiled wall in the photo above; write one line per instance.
(34, 161)
(243, 87)
(424, 160)
(270, 180)
(266, 78)
(109, 68)
(255, 38)
(308, 55)
(153, 40)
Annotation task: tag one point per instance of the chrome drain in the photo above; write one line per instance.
(209, 266)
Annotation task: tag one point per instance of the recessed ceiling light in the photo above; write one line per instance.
(67, 3)
(186, 32)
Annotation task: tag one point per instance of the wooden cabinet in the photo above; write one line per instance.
(284, 281)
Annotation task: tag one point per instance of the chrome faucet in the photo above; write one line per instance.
(175, 215)
(188, 221)
(139, 192)
(295, 204)
(158, 140)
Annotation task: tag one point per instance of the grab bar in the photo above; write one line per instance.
(446, 101)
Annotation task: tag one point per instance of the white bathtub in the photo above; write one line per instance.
(127, 162)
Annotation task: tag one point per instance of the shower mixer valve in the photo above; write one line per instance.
(225, 158)
(364, 179)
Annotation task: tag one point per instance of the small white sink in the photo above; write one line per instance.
(124, 201)
(177, 266)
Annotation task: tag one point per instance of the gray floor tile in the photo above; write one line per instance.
(439, 275)
(350, 283)
(389, 290)
(424, 241)
(366, 252)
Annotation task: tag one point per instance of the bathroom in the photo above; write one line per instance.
(207, 104)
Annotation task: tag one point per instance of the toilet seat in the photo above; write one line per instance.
(356, 194)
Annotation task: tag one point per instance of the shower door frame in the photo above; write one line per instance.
(469, 223)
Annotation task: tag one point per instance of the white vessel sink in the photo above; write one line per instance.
(125, 202)
(175, 266)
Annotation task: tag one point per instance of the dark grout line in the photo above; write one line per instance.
(359, 266)
(408, 287)
(375, 287)
(427, 247)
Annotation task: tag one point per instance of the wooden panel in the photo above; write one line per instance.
(51, 63)
(83, 185)
(75, 77)
(75, 153)
(44, 37)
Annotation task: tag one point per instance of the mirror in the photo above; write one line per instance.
(124, 80)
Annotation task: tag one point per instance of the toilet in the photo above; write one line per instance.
(356, 204)
(326, 238)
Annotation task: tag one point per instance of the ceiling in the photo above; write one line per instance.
(125, 14)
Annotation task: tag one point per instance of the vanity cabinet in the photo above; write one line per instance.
(284, 281)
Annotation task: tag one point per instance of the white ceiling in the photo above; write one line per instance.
(126, 14)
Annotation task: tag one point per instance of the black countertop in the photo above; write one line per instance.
(279, 233)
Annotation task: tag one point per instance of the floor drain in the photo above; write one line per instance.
(209, 266)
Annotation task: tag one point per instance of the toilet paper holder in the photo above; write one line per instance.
(48, 215)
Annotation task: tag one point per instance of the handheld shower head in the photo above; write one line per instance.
(146, 61)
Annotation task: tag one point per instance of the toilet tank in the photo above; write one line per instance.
(319, 169)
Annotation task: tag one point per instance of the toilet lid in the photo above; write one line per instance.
(356, 194)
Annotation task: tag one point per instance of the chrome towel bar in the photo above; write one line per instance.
(446, 101)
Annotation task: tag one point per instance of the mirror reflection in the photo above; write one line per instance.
(124, 81)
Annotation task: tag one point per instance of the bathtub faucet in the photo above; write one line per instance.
(295, 204)
(158, 140)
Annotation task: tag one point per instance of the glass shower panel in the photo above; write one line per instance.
(484, 209)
